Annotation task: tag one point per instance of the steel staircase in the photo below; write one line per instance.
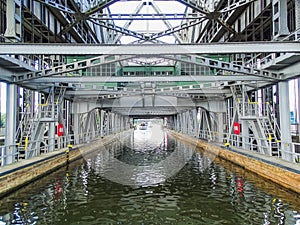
(33, 126)
(264, 130)
(25, 125)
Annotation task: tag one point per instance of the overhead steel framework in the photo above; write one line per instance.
(150, 49)
(92, 66)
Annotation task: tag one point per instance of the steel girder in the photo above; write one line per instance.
(145, 16)
(121, 30)
(150, 49)
(117, 79)
(233, 69)
(128, 23)
(199, 7)
(69, 70)
(56, 5)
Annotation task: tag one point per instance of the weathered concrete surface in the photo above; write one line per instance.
(16, 175)
(279, 171)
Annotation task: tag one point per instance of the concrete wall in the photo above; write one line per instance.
(278, 171)
(16, 175)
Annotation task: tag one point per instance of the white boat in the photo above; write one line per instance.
(143, 126)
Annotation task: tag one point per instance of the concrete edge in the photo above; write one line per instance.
(280, 174)
(17, 175)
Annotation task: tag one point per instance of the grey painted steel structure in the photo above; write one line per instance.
(98, 109)
(150, 49)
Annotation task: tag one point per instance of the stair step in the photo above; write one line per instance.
(48, 119)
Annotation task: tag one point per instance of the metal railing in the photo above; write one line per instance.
(287, 151)
(59, 143)
(260, 60)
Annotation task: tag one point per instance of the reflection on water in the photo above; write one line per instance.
(148, 157)
(149, 178)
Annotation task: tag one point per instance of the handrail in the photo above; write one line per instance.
(263, 58)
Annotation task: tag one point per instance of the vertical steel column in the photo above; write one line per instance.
(180, 122)
(108, 123)
(51, 132)
(297, 23)
(184, 123)
(297, 14)
(198, 122)
(245, 134)
(11, 117)
(13, 19)
(176, 122)
(102, 123)
(298, 108)
(92, 125)
(75, 123)
(114, 123)
(280, 25)
(121, 119)
(194, 122)
(285, 124)
(220, 125)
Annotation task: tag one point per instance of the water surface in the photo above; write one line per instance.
(149, 178)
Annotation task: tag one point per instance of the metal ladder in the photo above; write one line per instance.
(264, 129)
(31, 130)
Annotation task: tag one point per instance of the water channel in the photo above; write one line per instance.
(148, 177)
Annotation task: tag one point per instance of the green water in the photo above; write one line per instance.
(149, 178)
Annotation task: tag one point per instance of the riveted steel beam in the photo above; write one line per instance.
(104, 79)
(175, 29)
(150, 49)
(121, 30)
(144, 16)
(68, 69)
(225, 67)
(57, 5)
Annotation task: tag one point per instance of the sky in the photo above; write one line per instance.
(145, 26)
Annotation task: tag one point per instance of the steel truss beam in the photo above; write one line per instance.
(128, 23)
(128, 79)
(85, 15)
(149, 111)
(69, 68)
(145, 16)
(54, 4)
(236, 5)
(199, 7)
(150, 49)
(235, 69)
(176, 28)
(209, 88)
(94, 93)
(121, 30)
(167, 23)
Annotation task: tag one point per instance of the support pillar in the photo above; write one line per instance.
(101, 123)
(245, 134)
(220, 125)
(297, 14)
(13, 20)
(280, 24)
(177, 122)
(298, 108)
(75, 123)
(11, 117)
(285, 125)
(51, 132)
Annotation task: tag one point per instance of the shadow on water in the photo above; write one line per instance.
(150, 179)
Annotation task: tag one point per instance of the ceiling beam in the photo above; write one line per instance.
(150, 49)
(101, 79)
